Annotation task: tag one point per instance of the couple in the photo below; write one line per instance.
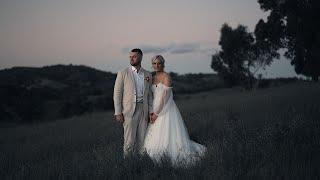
(151, 120)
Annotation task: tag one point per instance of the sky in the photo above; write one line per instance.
(101, 33)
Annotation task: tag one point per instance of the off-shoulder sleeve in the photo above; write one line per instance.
(165, 96)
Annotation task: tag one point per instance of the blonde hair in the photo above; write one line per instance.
(159, 57)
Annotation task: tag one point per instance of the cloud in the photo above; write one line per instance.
(147, 49)
(174, 48)
(185, 48)
(154, 49)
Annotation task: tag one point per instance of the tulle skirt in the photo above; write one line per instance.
(168, 138)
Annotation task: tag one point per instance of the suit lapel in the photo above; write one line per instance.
(132, 79)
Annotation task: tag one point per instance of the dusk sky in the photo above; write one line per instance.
(100, 33)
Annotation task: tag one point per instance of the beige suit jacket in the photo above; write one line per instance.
(124, 94)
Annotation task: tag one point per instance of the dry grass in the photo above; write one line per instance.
(264, 134)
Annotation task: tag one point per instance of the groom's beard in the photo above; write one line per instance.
(135, 64)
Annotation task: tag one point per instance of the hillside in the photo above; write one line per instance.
(31, 94)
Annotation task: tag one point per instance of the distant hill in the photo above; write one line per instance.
(30, 94)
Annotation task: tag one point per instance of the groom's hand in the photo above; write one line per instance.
(119, 118)
(150, 117)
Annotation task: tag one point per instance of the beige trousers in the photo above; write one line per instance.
(134, 131)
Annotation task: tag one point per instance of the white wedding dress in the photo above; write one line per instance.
(168, 135)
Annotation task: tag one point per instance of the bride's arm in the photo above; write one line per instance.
(164, 96)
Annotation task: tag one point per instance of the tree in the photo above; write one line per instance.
(240, 56)
(294, 25)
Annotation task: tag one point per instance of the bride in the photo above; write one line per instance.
(167, 135)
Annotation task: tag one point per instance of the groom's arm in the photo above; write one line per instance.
(117, 93)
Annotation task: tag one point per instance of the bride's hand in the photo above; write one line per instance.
(153, 117)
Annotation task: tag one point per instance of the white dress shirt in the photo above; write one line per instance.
(139, 81)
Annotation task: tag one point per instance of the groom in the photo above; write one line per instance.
(132, 98)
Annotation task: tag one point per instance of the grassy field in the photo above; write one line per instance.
(271, 133)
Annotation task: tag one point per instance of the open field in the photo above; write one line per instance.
(271, 133)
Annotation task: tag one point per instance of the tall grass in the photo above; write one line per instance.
(285, 145)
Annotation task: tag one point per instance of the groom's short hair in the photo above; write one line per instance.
(137, 51)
